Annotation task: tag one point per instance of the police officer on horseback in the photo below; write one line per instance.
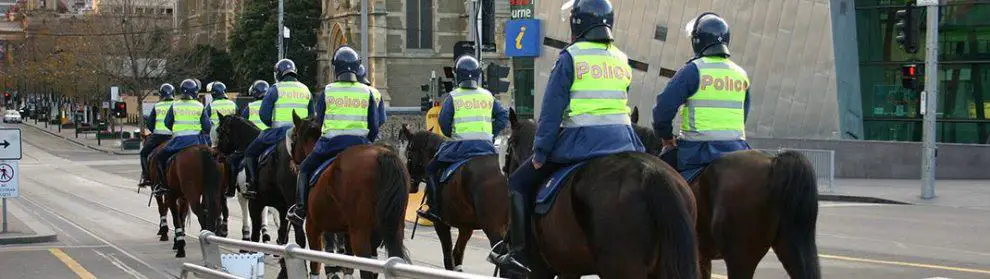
(471, 117)
(348, 109)
(189, 122)
(288, 95)
(583, 116)
(156, 124)
(220, 106)
(363, 77)
(715, 94)
(258, 90)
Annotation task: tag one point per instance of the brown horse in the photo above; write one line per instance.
(159, 199)
(193, 176)
(474, 198)
(749, 202)
(363, 194)
(627, 215)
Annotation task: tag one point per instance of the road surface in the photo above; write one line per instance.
(106, 230)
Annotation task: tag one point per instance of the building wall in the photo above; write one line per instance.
(205, 22)
(785, 45)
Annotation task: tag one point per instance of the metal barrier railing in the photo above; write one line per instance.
(296, 257)
(822, 160)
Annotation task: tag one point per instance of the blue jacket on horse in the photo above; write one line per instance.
(715, 93)
(349, 113)
(284, 98)
(159, 133)
(189, 122)
(471, 117)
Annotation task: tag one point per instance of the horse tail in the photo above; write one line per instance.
(392, 198)
(211, 186)
(794, 190)
(673, 221)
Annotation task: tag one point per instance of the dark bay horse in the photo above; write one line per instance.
(749, 202)
(475, 197)
(159, 199)
(276, 179)
(193, 181)
(627, 215)
(363, 194)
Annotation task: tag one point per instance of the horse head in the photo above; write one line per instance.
(234, 133)
(645, 134)
(520, 145)
(420, 148)
(305, 133)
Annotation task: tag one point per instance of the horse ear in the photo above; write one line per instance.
(295, 118)
(635, 115)
(406, 134)
(513, 119)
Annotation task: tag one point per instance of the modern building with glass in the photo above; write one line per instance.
(819, 69)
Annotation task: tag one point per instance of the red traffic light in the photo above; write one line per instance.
(910, 70)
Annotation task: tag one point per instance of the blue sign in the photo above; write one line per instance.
(522, 38)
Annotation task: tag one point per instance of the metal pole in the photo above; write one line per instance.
(281, 28)
(4, 215)
(477, 29)
(931, 91)
(471, 19)
(364, 33)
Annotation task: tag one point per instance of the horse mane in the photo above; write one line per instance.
(650, 139)
(426, 139)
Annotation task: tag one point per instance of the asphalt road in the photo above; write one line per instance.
(106, 230)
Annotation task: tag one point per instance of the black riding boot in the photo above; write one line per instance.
(432, 202)
(297, 213)
(250, 171)
(145, 179)
(231, 176)
(518, 232)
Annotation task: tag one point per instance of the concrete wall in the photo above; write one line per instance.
(892, 159)
(785, 45)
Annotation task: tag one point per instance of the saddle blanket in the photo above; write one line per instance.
(323, 167)
(267, 155)
(691, 174)
(450, 170)
(548, 190)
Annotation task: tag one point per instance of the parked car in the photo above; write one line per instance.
(12, 116)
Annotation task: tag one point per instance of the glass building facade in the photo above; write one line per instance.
(891, 112)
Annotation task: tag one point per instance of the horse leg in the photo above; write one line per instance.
(173, 206)
(330, 246)
(180, 233)
(361, 246)
(463, 235)
(705, 266)
(443, 233)
(245, 218)
(743, 249)
(283, 231)
(254, 208)
(315, 237)
(265, 237)
(163, 214)
(222, 229)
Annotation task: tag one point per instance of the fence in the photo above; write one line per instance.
(296, 257)
(823, 162)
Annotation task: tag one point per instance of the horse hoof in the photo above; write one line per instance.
(181, 253)
(164, 237)
(265, 238)
(163, 230)
(459, 268)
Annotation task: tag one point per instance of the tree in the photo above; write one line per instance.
(252, 44)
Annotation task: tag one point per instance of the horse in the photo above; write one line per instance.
(474, 198)
(749, 202)
(192, 179)
(159, 199)
(626, 215)
(234, 133)
(363, 194)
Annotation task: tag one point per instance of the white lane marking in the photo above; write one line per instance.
(121, 265)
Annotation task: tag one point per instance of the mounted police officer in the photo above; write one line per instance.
(583, 116)
(715, 94)
(349, 111)
(220, 106)
(288, 95)
(258, 90)
(156, 124)
(363, 77)
(471, 117)
(188, 120)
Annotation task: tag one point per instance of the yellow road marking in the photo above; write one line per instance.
(72, 264)
(929, 266)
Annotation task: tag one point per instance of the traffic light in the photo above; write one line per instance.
(906, 28)
(425, 103)
(494, 76)
(488, 25)
(120, 109)
(447, 86)
(909, 76)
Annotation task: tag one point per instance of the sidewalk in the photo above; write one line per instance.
(974, 194)
(23, 228)
(111, 146)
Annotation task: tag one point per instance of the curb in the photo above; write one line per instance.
(42, 232)
(28, 239)
(859, 199)
(73, 140)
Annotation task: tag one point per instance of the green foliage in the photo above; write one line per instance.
(253, 48)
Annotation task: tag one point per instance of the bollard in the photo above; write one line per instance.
(390, 264)
(294, 266)
(211, 251)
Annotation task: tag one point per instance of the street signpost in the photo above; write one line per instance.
(931, 96)
(10, 155)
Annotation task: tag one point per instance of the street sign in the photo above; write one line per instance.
(9, 179)
(519, 9)
(115, 93)
(10, 144)
(523, 38)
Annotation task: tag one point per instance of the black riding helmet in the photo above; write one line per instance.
(709, 35)
(467, 72)
(591, 20)
(346, 64)
(284, 68)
